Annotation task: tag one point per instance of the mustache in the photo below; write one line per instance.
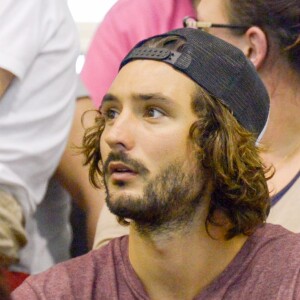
(134, 164)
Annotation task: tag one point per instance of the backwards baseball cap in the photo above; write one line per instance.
(218, 67)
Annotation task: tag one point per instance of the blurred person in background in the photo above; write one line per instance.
(268, 32)
(73, 176)
(4, 290)
(38, 51)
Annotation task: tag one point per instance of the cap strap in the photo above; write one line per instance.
(160, 54)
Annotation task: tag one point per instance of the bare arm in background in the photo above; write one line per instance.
(74, 176)
(5, 79)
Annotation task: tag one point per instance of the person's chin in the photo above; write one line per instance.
(123, 203)
(123, 193)
(128, 185)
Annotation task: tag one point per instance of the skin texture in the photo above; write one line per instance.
(146, 129)
(154, 131)
(252, 43)
(213, 11)
(5, 78)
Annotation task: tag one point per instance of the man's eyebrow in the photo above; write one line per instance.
(108, 98)
(140, 97)
(153, 96)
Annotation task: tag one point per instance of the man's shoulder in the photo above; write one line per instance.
(267, 267)
(100, 259)
(275, 246)
(273, 267)
(82, 276)
(277, 234)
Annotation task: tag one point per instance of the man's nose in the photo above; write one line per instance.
(120, 135)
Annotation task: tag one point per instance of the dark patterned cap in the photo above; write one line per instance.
(218, 67)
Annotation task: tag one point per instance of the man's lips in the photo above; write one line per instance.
(120, 171)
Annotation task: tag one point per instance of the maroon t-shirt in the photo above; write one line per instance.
(267, 267)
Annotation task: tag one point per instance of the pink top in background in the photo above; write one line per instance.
(128, 22)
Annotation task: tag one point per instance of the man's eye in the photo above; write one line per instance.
(110, 114)
(154, 113)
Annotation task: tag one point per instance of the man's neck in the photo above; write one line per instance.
(179, 265)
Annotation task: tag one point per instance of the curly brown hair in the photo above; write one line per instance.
(91, 149)
(226, 150)
(231, 161)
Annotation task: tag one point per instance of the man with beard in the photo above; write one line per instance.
(176, 144)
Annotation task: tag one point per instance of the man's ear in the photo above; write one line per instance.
(256, 46)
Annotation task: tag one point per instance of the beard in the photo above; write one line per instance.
(169, 201)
